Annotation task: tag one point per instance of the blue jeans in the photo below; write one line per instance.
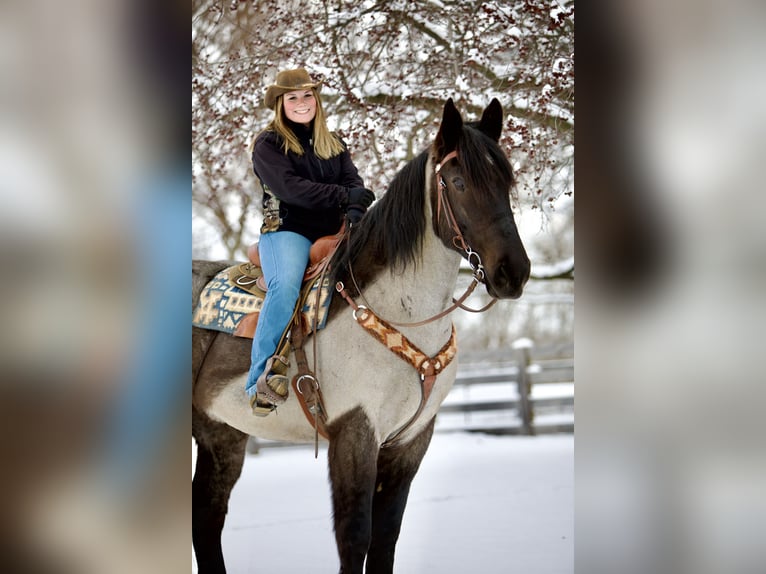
(284, 257)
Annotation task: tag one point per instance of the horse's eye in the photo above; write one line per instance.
(458, 183)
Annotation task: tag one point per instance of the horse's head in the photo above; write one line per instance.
(471, 199)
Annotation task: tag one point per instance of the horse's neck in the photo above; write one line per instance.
(424, 288)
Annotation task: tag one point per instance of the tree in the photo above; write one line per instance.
(387, 67)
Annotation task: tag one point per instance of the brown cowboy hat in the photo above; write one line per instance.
(288, 81)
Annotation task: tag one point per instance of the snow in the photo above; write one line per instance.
(478, 504)
(553, 269)
(523, 343)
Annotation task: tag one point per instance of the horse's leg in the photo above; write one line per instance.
(397, 467)
(220, 455)
(352, 456)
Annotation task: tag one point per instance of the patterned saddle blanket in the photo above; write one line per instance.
(232, 301)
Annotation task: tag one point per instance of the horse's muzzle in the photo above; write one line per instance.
(506, 279)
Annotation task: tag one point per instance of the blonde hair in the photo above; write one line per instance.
(326, 143)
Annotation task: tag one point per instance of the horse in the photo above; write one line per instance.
(400, 263)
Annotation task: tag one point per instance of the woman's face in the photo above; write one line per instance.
(300, 106)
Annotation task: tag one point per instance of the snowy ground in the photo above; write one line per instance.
(480, 503)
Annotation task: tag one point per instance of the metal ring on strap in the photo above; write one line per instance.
(359, 308)
(300, 380)
(470, 255)
(474, 260)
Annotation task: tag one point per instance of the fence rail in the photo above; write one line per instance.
(528, 390)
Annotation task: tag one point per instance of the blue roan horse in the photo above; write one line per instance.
(450, 201)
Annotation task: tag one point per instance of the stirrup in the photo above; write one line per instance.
(269, 394)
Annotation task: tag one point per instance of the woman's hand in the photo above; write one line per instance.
(359, 199)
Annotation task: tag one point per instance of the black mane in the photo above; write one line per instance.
(390, 233)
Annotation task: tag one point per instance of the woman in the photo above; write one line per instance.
(309, 182)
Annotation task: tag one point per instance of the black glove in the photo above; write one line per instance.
(355, 214)
(360, 197)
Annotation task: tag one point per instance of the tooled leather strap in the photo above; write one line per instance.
(428, 367)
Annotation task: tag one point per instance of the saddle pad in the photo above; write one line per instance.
(223, 306)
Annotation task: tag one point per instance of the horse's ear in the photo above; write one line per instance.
(449, 131)
(492, 120)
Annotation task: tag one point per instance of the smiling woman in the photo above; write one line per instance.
(309, 184)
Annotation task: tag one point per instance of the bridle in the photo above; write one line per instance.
(473, 258)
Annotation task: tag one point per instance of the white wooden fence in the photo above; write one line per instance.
(528, 390)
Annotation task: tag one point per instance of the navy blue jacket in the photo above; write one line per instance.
(312, 192)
